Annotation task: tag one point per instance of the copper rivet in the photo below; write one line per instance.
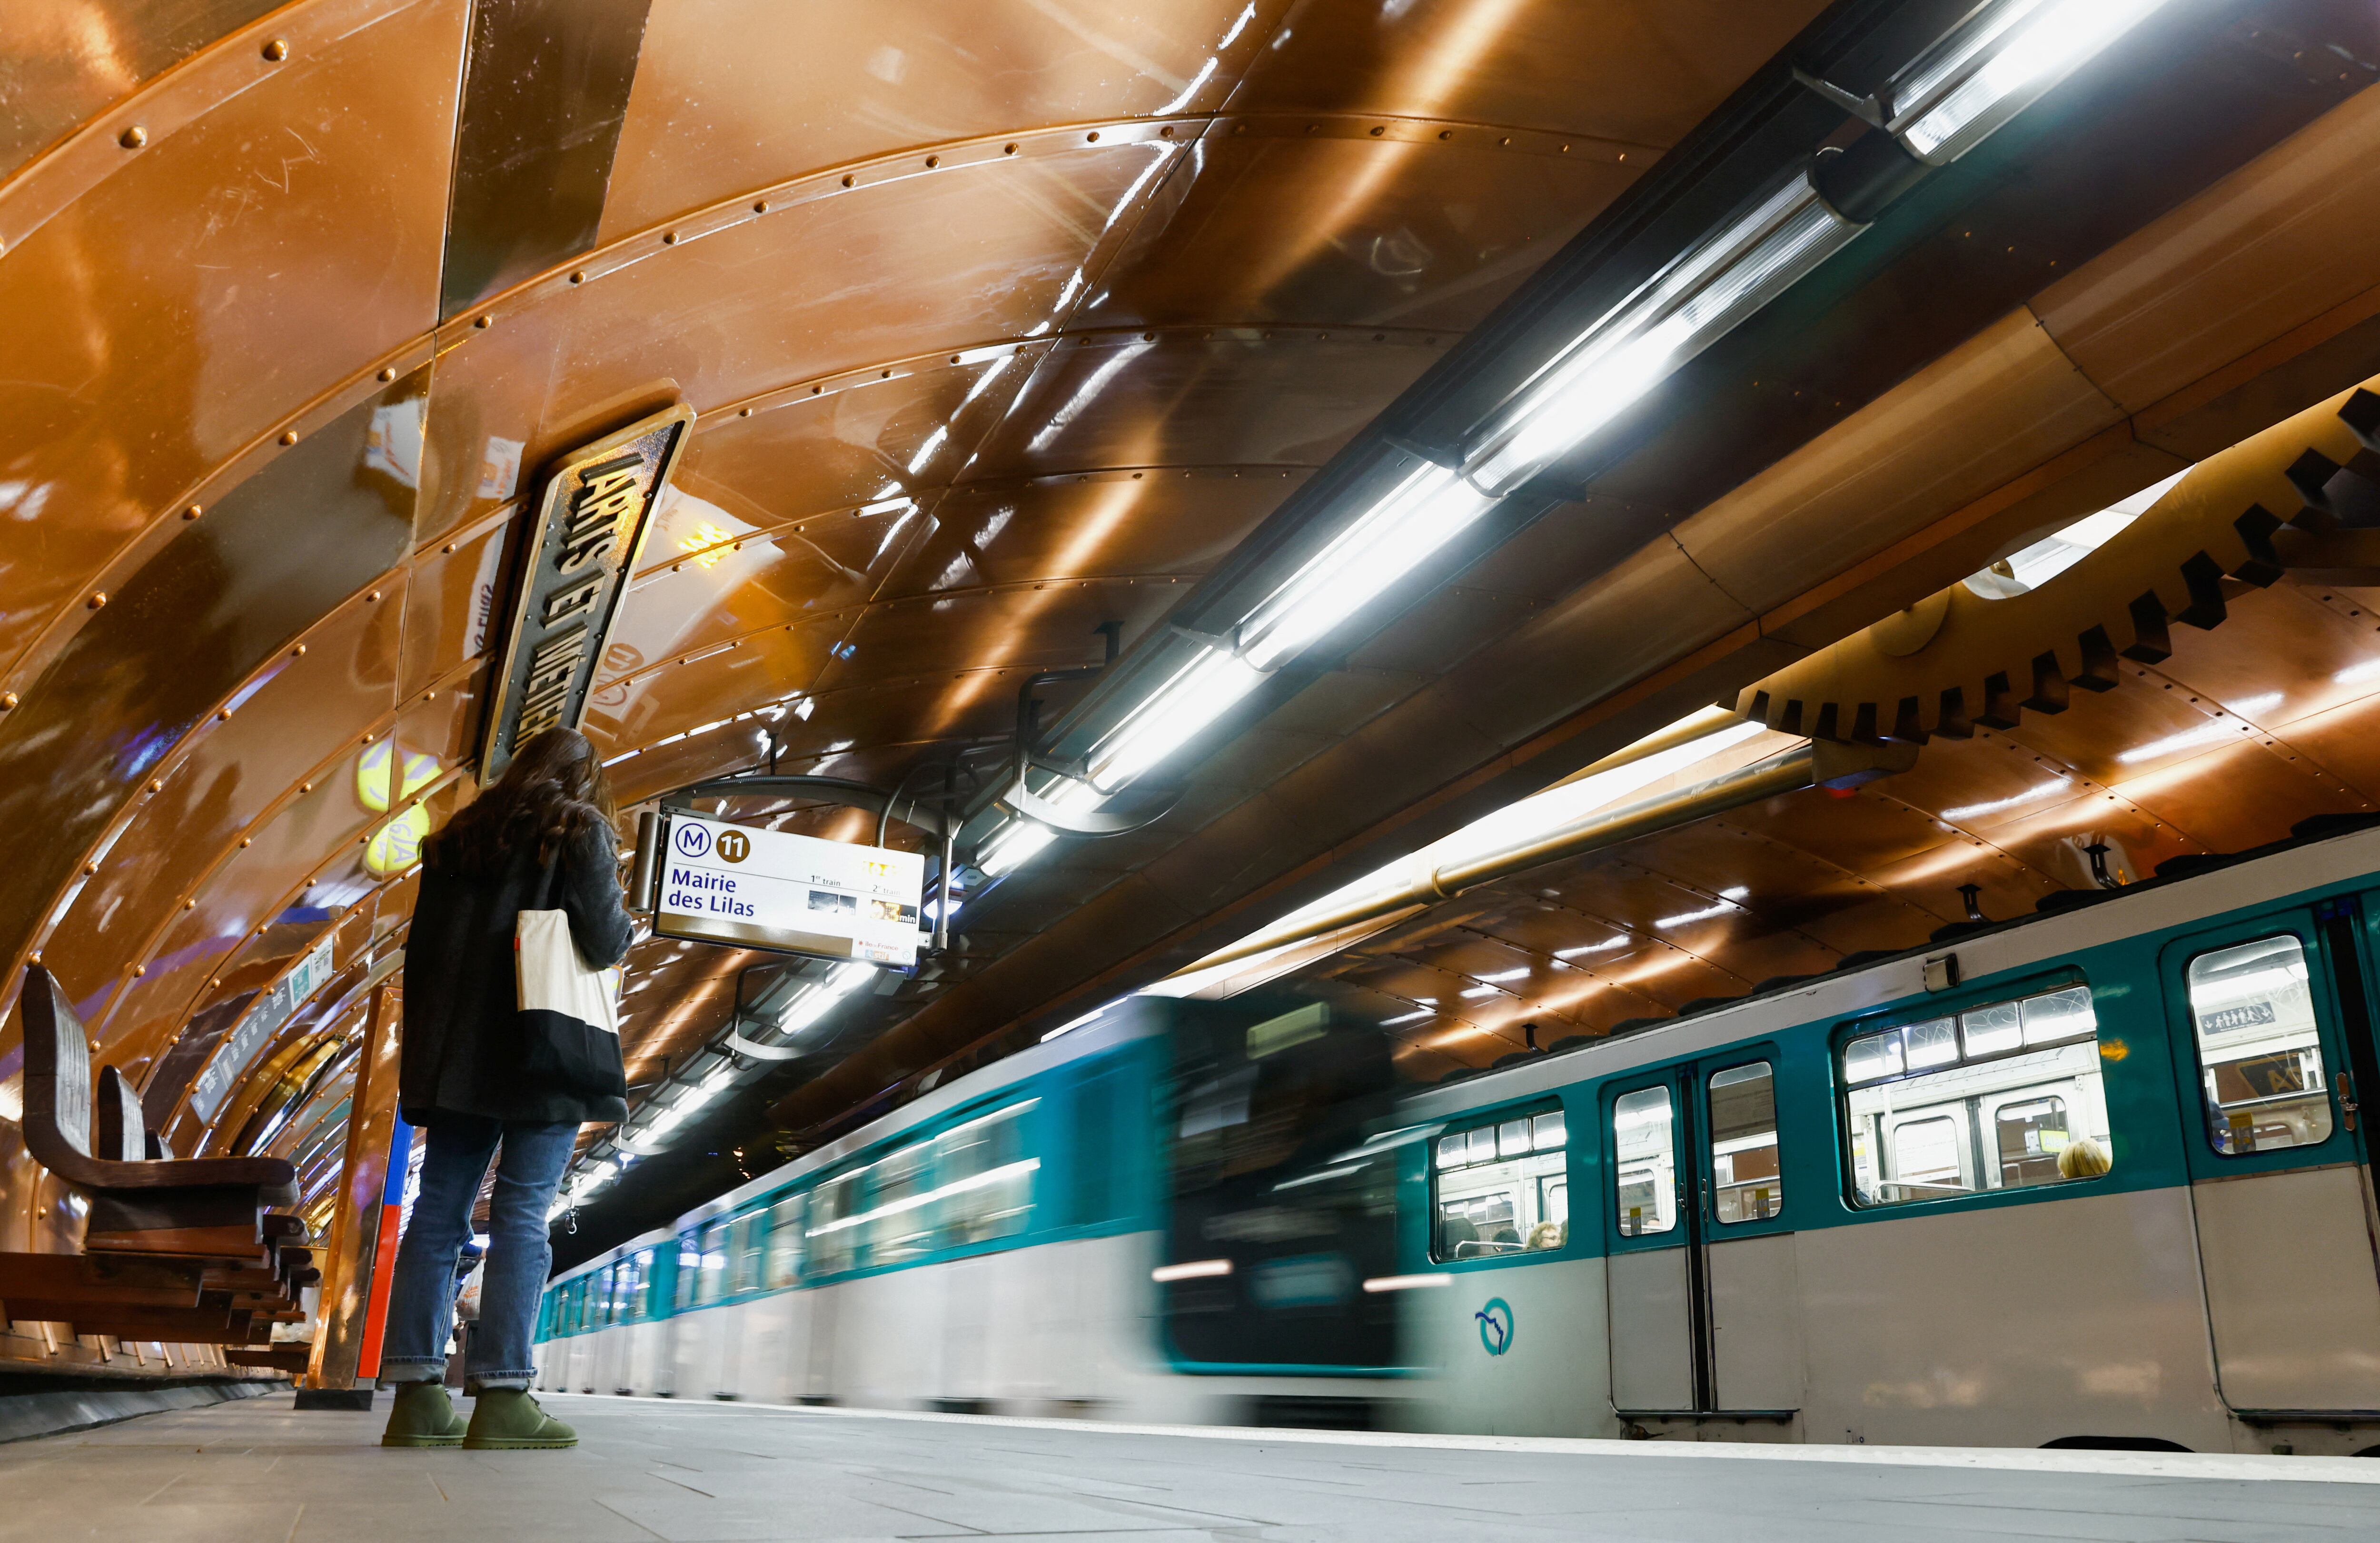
(579, 277)
(760, 206)
(299, 651)
(8, 699)
(97, 599)
(450, 546)
(482, 322)
(1446, 133)
(368, 739)
(932, 160)
(387, 375)
(223, 714)
(374, 595)
(1093, 136)
(745, 412)
(276, 51)
(289, 437)
(849, 180)
(140, 969)
(430, 697)
(669, 238)
(888, 374)
(133, 138)
(189, 904)
(247, 841)
(1378, 129)
(91, 868)
(194, 511)
(305, 787)
(815, 390)
(156, 786)
(1505, 140)
(1165, 133)
(1008, 149)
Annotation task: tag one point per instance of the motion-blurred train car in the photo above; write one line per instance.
(2095, 1177)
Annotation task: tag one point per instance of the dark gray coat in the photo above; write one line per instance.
(462, 1036)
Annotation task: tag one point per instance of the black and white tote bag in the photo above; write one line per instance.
(569, 1011)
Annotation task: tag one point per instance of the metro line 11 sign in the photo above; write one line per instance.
(720, 882)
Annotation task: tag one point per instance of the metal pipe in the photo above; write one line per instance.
(1685, 731)
(1789, 772)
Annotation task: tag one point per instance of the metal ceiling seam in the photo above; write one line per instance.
(162, 105)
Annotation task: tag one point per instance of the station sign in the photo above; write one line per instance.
(719, 882)
(257, 1026)
(577, 553)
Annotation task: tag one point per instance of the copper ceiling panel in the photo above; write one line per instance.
(1641, 72)
(765, 668)
(455, 603)
(68, 59)
(136, 288)
(231, 775)
(742, 303)
(732, 95)
(1341, 228)
(2345, 742)
(1045, 625)
(2239, 795)
(254, 914)
(1159, 526)
(2278, 643)
(1237, 396)
(794, 458)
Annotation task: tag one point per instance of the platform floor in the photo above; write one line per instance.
(261, 1472)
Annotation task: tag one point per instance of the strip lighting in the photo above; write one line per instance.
(973, 1182)
(1197, 1269)
(1406, 1282)
(2004, 58)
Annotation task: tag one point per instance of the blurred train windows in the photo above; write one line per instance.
(1645, 1159)
(1746, 1182)
(710, 1281)
(1506, 1194)
(900, 1221)
(2259, 1054)
(689, 1269)
(2006, 1095)
(785, 1261)
(834, 1210)
(744, 1253)
(984, 1177)
(643, 1306)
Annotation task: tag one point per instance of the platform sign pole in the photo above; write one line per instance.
(355, 1296)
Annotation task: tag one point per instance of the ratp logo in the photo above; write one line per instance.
(1495, 1326)
(693, 840)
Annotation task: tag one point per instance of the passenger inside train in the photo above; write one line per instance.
(1227, 768)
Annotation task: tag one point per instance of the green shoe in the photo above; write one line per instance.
(424, 1416)
(507, 1419)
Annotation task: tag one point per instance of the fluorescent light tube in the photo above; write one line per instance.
(1200, 692)
(1667, 322)
(1380, 546)
(1999, 65)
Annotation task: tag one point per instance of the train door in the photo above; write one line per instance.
(1702, 1299)
(2273, 1033)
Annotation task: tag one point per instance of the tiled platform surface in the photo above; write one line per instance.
(260, 1472)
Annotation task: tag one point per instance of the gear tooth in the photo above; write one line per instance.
(2255, 529)
(1790, 720)
(2362, 415)
(2309, 474)
(1906, 724)
(2152, 642)
(1753, 703)
(2101, 670)
(2205, 577)
(1863, 728)
(2001, 709)
(2048, 684)
(1953, 721)
(1829, 724)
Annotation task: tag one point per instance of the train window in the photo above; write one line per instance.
(1503, 1189)
(834, 1212)
(2259, 1054)
(711, 1279)
(1746, 1183)
(984, 1178)
(901, 1223)
(1645, 1158)
(689, 1269)
(784, 1266)
(2003, 1096)
(744, 1253)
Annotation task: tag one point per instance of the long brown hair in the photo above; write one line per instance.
(553, 792)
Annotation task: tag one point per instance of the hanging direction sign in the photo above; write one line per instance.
(724, 883)
(579, 550)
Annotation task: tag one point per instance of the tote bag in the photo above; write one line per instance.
(569, 1012)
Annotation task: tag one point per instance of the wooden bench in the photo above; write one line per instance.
(182, 1251)
(208, 1208)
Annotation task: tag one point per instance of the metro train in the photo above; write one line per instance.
(2091, 1177)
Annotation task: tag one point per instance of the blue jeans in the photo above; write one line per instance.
(421, 1300)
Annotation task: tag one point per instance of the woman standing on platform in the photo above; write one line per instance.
(480, 1077)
